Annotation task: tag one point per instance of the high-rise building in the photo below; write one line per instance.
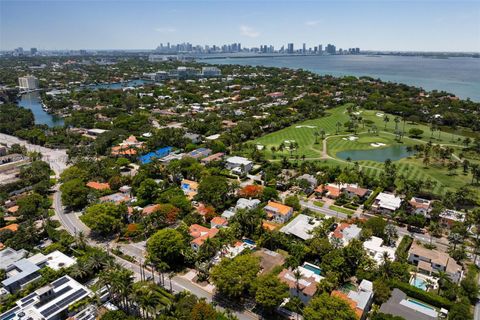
(304, 48)
(320, 49)
(33, 51)
(330, 49)
(28, 83)
(290, 48)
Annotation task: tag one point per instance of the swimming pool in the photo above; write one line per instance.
(248, 241)
(312, 268)
(421, 304)
(419, 283)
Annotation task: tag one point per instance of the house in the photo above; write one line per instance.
(345, 232)
(51, 302)
(214, 157)
(376, 250)
(151, 208)
(301, 227)
(229, 251)
(247, 204)
(128, 146)
(330, 190)
(402, 306)
(116, 198)
(54, 260)
(8, 256)
(189, 188)
(278, 212)
(386, 203)
(307, 284)
(19, 274)
(448, 217)
(200, 234)
(239, 165)
(199, 153)
(360, 300)
(353, 190)
(311, 180)
(218, 222)
(12, 227)
(420, 206)
(431, 261)
(98, 185)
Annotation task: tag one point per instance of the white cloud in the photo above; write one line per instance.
(165, 29)
(249, 32)
(312, 23)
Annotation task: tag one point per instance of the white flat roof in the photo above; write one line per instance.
(388, 201)
(301, 226)
(239, 160)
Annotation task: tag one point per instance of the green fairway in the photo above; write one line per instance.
(337, 139)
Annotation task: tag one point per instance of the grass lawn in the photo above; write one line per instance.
(342, 210)
(410, 167)
(319, 203)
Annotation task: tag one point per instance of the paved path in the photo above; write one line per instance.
(57, 158)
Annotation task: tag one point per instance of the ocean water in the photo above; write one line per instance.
(460, 76)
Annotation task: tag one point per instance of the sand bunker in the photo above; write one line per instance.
(378, 144)
(379, 114)
(310, 127)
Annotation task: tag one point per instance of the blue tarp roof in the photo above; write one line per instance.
(160, 153)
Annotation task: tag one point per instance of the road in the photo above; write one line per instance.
(425, 238)
(57, 158)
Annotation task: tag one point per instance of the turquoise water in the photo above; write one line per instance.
(248, 241)
(314, 269)
(33, 102)
(393, 153)
(460, 76)
(418, 303)
(419, 283)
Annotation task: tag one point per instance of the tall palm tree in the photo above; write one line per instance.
(298, 276)
(443, 278)
(455, 239)
(396, 120)
(386, 119)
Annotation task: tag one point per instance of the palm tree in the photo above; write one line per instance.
(298, 276)
(429, 283)
(79, 270)
(386, 119)
(322, 134)
(80, 240)
(443, 278)
(455, 239)
(396, 120)
(390, 233)
(316, 134)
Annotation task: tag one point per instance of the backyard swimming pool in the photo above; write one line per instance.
(312, 268)
(419, 283)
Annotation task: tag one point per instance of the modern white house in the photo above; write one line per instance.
(239, 164)
(376, 250)
(386, 203)
(301, 226)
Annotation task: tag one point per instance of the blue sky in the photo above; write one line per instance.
(436, 25)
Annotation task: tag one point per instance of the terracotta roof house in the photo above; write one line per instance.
(352, 190)
(148, 210)
(98, 185)
(214, 157)
(330, 190)
(420, 206)
(200, 234)
(115, 198)
(359, 300)
(278, 212)
(12, 227)
(218, 222)
(13, 210)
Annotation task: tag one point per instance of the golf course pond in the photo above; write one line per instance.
(393, 153)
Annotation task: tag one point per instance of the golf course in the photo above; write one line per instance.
(373, 141)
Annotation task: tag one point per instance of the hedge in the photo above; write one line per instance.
(427, 297)
(367, 204)
(403, 247)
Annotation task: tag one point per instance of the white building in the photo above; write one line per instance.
(211, 72)
(375, 248)
(386, 202)
(301, 227)
(28, 83)
(50, 302)
(239, 164)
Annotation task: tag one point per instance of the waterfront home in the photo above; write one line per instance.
(386, 203)
(431, 261)
(278, 212)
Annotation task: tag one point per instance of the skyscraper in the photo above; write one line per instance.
(331, 49)
(290, 48)
(304, 48)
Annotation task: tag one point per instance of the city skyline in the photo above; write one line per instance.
(100, 25)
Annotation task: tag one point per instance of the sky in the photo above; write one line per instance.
(406, 25)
